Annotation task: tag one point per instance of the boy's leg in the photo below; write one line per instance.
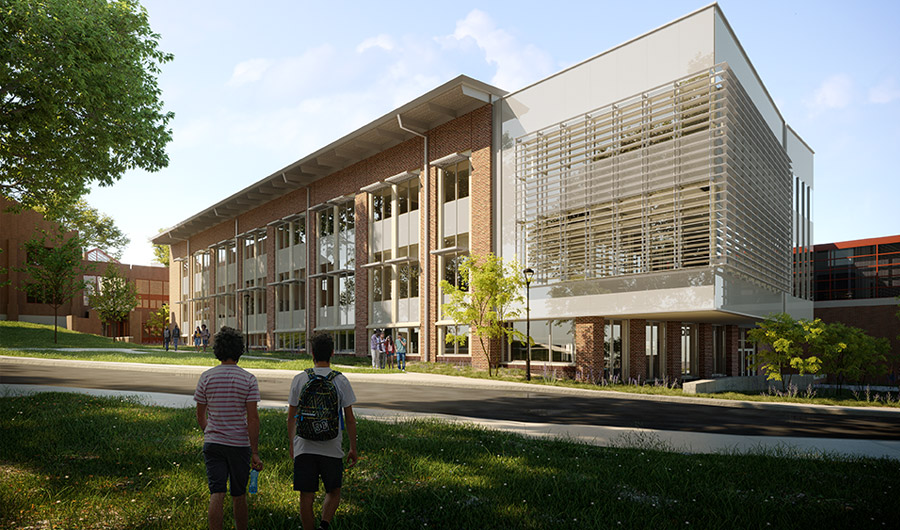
(216, 515)
(330, 505)
(306, 510)
(239, 507)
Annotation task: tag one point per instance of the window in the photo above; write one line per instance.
(298, 290)
(719, 367)
(747, 349)
(689, 350)
(552, 341)
(456, 181)
(346, 216)
(381, 204)
(326, 222)
(299, 231)
(614, 336)
(408, 196)
(455, 348)
(655, 349)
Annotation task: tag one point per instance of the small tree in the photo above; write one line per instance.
(114, 298)
(54, 271)
(158, 321)
(787, 344)
(488, 291)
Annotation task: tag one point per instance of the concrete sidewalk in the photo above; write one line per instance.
(686, 442)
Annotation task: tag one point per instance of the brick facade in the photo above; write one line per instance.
(637, 339)
(673, 351)
(589, 345)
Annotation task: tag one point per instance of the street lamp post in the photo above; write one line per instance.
(529, 273)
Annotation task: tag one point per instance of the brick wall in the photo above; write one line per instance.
(637, 344)
(732, 356)
(705, 350)
(589, 348)
(878, 321)
(673, 351)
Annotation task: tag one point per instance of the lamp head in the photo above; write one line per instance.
(529, 273)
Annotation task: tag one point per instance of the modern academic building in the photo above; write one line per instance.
(655, 189)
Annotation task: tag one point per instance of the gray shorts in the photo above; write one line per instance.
(224, 464)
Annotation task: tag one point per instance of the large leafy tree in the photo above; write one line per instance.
(114, 298)
(861, 356)
(54, 271)
(489, 293)
(79, 100)
(95, 228)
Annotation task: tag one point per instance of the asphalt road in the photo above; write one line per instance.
(515, 405)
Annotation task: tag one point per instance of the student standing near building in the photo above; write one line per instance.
(176, 334)
(197, 338)
(375, 347)
(401, 352)
(204, 336)
(389, 350)
(227, 398)
(320, 458)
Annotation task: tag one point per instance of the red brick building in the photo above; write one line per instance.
(17, 228)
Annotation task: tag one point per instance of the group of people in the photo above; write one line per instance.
(201, 337)
(227, 398)
(384, 350)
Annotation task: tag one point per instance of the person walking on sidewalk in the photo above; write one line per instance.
(227, 398)
(313, 457)
(375, 346)
(167, 336)
(176, 334)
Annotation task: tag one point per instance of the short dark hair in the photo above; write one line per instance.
(322, 347)
(229, 344)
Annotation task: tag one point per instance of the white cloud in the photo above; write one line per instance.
(249, 71)
(517, 64)
(884, 92)
(836, 92)
(383, 41)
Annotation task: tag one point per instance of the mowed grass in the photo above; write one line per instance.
(73, 461)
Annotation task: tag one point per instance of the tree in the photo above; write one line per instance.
(158, 321)
(162, 252)
(54, 271)
(485, 299)
(788, 344)
(114, 298)
(79, 100)
(861, 355)
(95, 228)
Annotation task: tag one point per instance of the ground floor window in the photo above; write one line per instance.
(411, 335)
(655, 350)
(344, 339)
(291, 341)
(552, 341)
(689, 350)
(747, 352)
(614, 333)
(257, 341)
(455, 348)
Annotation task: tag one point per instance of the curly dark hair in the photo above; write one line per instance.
(322, 347)
(229, 344)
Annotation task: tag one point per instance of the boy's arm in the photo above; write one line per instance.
(201, 416)
(350, 424)
(292, 428)
(253, 431)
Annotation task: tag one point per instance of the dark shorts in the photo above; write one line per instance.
(308, 468)
(227, 464)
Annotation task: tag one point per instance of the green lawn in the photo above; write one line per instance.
(14, 336)
(73, 461)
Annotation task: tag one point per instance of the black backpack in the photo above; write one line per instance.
(319, 409)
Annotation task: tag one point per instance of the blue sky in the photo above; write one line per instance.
(256, 86)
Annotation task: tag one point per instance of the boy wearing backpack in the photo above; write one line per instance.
(319, 408)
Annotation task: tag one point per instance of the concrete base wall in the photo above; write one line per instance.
(753, 383)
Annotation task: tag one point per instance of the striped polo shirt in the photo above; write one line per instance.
(225, 390)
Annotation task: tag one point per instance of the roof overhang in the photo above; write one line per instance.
(451, 100)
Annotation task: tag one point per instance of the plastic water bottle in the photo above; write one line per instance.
(254, 481)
